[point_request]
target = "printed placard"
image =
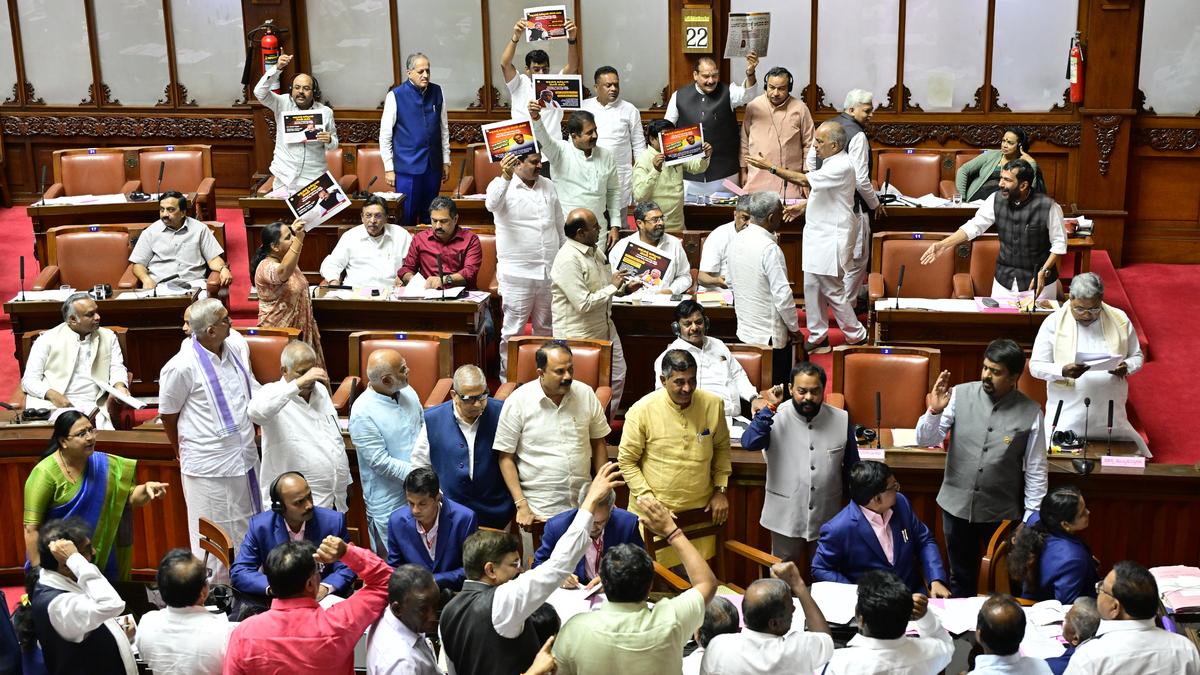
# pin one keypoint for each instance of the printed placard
(748, 32)
(546, 23)
(299, 127)
(558, 91)
(680, 145)
(318, 201)
(502, 138)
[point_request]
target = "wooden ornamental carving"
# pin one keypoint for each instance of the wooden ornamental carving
(1065, 104)
(992, 96)
(902, 134)
(1107, 127)
(496, 104)
(1163, 140)
(129, 126)
(664, 96)
(176, 94)
(900, 96)
(1140, 100)
(31, 97)
(102, 96)
(478, 102)
(465, 132)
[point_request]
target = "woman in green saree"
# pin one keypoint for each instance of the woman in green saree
(72, 479)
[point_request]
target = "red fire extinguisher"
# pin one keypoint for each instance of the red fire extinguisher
(1075, 70)
(270, 48)
(266, 37)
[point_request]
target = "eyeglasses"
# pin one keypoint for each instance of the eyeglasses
(1093, 311)
(90, 431)
(654, 220)
(1100, 589)
(472, 399)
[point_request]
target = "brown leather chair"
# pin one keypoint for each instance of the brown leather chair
(1032, 387)
(890, 250)
(486, 279)
(947, 187)
(266, 346)
(699, 524)
(428, 355)
(90, 171)
(913, 173)
(993, 567)
(984, 251)
(902, 376)
(186, 169)
(368, 164)
(213, 282)
(81, 256)
(215, 541)
(333, 160)
(116, 411)
(482, 171)
(756, 361)
(592, 360)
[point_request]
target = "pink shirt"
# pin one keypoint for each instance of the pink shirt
(299, 636)
(882, 532)
(591, 557)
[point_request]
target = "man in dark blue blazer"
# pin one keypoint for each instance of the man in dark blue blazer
(878, 516)
(611, 527)
(430, 531)
(292, 516)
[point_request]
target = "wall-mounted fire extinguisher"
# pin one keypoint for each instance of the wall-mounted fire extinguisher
(1075, 69)
(267, 38)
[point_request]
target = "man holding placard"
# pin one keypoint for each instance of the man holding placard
(537, 62)
(296, 161)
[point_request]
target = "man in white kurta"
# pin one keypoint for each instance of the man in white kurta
(204, 396)
(717, 371)
(300, 429)
(831, 233)
(619, 124)
(68, 360)
(529, 232)
(368, 254)
(537, 62)
(651, 234)
(713, 272)
(296, 164)
(1088, 326)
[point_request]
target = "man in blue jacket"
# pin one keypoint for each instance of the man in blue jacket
(611, 527)
(430, 531)
(292, 517)
(414, 139)
(878, 530)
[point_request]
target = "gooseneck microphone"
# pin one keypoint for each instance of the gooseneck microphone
(366, 192)
(899, 285)
(43, 184)
(22, 273)
(878, 417)
(1110, 420)
(162, 281)
(441, 277)
(162, 166)
(1084, 465)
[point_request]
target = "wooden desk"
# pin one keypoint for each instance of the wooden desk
(337, 319)
(259, 212)
(45, 217)
(961, 336)
(153, 323)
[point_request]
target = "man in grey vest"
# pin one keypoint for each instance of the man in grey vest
(711, 104)
(1032, 236)
(996, 462)
(798, 501)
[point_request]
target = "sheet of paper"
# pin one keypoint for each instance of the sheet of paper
(958, 615)
(570, 602)
(415, 288)
(904, 438)
(117, 394)
(439, 293)
(836, 600)
(732, 187)
(1041, 642)
(56, 294)
(1046, 612)
(931, 201)
(1099, 361)
(929, 304)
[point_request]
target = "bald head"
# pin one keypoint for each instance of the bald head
(1000, 625)
(582, 226)
(387, 372)
(830, 139)
(768, 607)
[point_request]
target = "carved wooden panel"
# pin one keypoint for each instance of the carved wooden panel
(906, 134)
(1107, 127)
(1184, 140)
(129, 126)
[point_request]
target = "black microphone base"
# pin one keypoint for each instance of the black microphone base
(1083, 466)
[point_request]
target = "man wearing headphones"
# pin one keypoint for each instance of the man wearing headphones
(292, 517)
(718, 371)
(779, 128)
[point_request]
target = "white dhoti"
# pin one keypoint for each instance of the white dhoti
(522, 300)
(227, 501)
(618, 368)
(855, 272)
(625, 178)
(823, 292)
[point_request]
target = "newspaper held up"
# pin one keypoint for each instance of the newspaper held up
(515, 136)
(546, 23)
(558, 91)
(748, 32)
(318, 201)
(680, 145)
(300, 127)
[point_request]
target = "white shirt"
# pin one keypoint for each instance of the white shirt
(985, 217)
(181, 389)
(718, 372)
(753, 653)
(420, 453)
(765, 306)
(619, 125)
(394, 649)
(529, 226)
(932, 429)
(583, 181)
(714, 255)
(926, 654)
(691, 662)
(429, 537)
(678, 275)
(367, 261)
(90, 603)
(1134, 646)
(304, 436)
(184, 640)
(520, 90)
(1013, 663)
(831, 229)
(82, 392)
(387, 123)
(294, 164)
(739, 95)
(552, 443)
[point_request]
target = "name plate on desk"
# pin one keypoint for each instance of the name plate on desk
(1120, 462)
(877, 454)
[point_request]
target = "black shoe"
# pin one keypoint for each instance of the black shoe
(821, 347)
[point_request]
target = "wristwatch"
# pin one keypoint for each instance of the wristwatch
(773, 171)
(721, 488)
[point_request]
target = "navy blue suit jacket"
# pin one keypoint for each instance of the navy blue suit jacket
(848, 548)
(1066, 569)
(268, 530)
(622, 528)
(1058, 664)
(455, 523)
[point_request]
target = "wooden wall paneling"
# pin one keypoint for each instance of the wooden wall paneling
(98, 93)
(21, 93)
(1162, 192)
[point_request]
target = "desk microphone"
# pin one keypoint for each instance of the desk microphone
(462, 171)
(878, 416)
(162, 281)
(22, 273)
(366, 192)
(43, 202)
(886, 198)
(162, 166)
(1110, 418)
(899, 285)
(441, 277)
(1084, 466)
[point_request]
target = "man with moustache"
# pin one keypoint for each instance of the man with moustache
(619, 124)
(292, 517)
(443, 244)
(778, 128)
(717, 370)
(651, 231)
(178, 245)
(397, 643)
(654, 180)
(414, 139)
(996, 462)
(368, 254)
(714, 253)
(296, 164)
(1032, 236)
(792, 434)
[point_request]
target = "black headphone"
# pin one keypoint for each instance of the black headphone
(675, 325)
(277, 504)
(1066, 439)
(787, 72)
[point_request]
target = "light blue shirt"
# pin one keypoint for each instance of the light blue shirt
(384, 432)
(1013, 663)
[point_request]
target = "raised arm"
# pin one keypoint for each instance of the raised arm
(510, 49)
